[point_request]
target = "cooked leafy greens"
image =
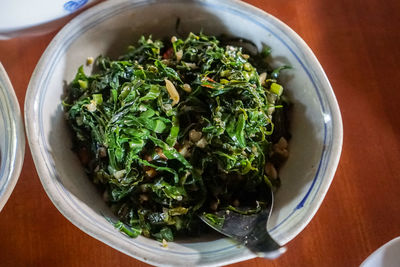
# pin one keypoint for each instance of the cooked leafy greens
(177, 128)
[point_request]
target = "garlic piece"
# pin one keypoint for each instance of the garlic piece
(202, 143)
(187, 88)
(173, 93)
(262, 78)
(194, 135)
(179, 55)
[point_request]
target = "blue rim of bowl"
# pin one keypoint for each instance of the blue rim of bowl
(12, 154)
(224, 6)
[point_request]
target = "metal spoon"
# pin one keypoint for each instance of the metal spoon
(249, 230)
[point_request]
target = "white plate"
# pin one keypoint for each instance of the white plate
(387, 255)
(29, 17)
(12, 138)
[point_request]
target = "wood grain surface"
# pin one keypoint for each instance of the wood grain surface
(358, 44)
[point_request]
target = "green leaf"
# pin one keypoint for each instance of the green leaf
(275, 72)
(161, 187)
(239, 131)
(123, 228)
(153, 93)
(213, 219)
(173, 134)
(177, 211)
(167, 71)
(83, 84)
(98, 99)
(170, 152)
(165, 233)
(266, 51)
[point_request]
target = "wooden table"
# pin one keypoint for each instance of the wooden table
(358, 44)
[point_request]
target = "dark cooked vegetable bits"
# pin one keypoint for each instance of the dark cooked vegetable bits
(177, 128)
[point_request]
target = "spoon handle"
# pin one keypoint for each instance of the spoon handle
(260, 241)
(263, 245)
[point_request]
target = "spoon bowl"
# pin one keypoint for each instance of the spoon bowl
(249, 230)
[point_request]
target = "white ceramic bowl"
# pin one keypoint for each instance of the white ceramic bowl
(107, 29)
(12, 138)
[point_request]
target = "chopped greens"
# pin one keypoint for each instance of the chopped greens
(173, 129)
(215, 219)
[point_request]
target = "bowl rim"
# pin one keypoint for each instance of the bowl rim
(31, 115)
(11, 165)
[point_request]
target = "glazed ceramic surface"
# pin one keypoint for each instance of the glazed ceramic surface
(12, 138)
(108, 29)
(387, 255)
(30, 17)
